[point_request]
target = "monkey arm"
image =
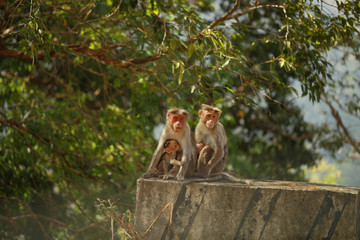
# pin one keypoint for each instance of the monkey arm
(175, 162)
(156, 156)
(199, 136)
(186, 156)
(226, 152)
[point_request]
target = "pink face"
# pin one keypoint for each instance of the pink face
(210, 119)
(177, 121)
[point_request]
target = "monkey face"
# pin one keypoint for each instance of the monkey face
(172, 146)
(210, 118)
(176, 119)
(177, 122)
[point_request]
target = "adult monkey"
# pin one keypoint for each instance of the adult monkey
(211, 142)
(176, 128)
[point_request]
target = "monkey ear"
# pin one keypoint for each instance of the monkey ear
(200, 112)
(167, 150)
(219, 112)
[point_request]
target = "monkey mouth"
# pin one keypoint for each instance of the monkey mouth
(210, 124)
(178, 128)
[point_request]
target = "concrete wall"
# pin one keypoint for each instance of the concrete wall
(260, 210)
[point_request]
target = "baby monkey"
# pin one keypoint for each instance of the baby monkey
(168, 164)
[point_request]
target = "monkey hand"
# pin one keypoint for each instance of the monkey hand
(168, 176)
(179, 177)
(175, 162)
(200, 146)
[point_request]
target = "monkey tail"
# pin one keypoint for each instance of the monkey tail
(217, 177)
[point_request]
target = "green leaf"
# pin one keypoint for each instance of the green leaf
(281, 62)
(225, 64)
(173, 44)
(191, 50)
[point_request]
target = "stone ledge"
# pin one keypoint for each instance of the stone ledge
(260, 210)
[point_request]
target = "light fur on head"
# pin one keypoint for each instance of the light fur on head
(178, 111)
(210, 109)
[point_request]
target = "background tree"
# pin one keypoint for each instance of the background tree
(84, 84)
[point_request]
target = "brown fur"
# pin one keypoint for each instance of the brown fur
(168, 161)
(214, 154)
(184, 138)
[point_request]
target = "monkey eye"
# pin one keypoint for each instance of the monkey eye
(177, 118)
(208, 116)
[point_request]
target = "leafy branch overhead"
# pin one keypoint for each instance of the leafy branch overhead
(124, 35)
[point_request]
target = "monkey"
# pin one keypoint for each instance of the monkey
(177, 128)
(168, 160)
(211, 142)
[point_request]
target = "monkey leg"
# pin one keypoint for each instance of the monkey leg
(219, 167)
(173, 172)
(166, 167)
(204, 157)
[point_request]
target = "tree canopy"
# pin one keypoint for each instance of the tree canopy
(84, 85)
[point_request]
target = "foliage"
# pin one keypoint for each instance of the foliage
(84, 83)
(324, 173)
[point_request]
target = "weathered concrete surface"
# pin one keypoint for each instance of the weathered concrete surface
(261, 210)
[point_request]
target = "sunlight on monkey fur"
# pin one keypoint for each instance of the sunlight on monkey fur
(211, 140)
(181, 153)
(177, 128)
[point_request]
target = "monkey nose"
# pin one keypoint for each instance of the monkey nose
(210, 124)
(178, 126)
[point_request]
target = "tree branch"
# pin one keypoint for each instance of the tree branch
(98, 54)
(160, 82)
(252, 9)
(53, 220)
(355, 144)
(21, 127)
(224, 17)
(32, 214)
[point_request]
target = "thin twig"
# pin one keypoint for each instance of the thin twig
(113, 217)
(159, 81)
(224, 17)
(53, 220)
(336, 115)
(34, 216)
(252, 9)
(20, 126)
(169, 205)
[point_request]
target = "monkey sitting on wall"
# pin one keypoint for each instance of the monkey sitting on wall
(169, 164)
(176, 128)
(211, 142)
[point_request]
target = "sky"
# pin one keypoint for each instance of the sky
(319, 113)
